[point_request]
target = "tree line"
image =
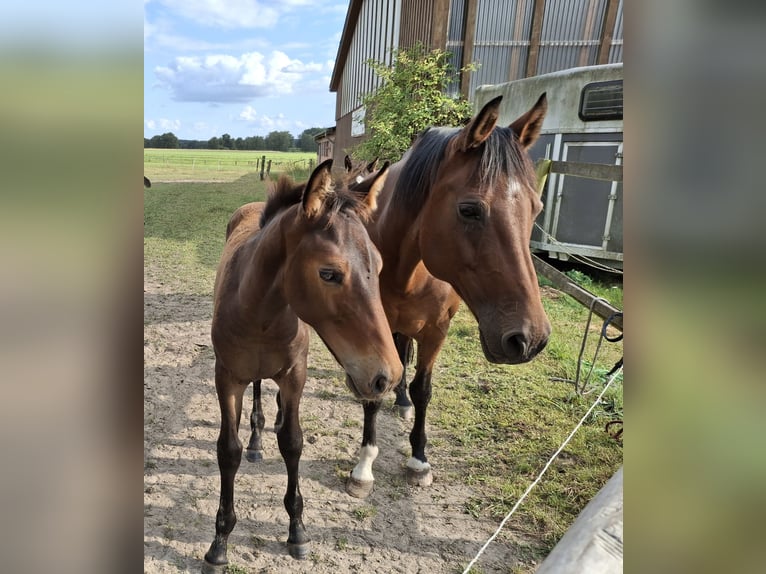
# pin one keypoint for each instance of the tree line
(274, 141)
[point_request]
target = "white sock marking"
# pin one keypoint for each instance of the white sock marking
(363, 470)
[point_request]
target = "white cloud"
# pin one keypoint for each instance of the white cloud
(230, 14)
(163, 124)
(226, 78)
(248, 114)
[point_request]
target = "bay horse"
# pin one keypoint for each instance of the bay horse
(453, 223)
(303, 258)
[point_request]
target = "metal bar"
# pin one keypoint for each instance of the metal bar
(579, 294)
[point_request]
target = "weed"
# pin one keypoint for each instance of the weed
(365, 512)
(341, 543)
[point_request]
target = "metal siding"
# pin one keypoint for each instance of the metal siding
(500, 40)
(571, 34)
(615, 52)
(376, 32)
(417, 16)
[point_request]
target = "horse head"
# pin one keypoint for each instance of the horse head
(331, 281)
(476, 225)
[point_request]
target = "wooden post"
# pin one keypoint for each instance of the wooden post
(534, 40)
(607, 34)
(471, 9)
(263, 166)
(268, 169)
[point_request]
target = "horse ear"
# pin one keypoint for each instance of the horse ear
(377, 182)
(347, 163)
(527, 127)
(317, 188)
(372, 165)
(479, 128)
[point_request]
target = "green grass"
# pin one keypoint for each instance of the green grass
(184, 228)
(491, 426)
(218, 165)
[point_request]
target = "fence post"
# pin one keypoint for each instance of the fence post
(268, 168)
(311, 165)
(263, 166)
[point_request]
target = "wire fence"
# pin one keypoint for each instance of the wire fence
(188, 166)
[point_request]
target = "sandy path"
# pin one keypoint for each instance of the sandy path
(397, 529)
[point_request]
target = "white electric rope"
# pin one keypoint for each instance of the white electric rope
(531, 486)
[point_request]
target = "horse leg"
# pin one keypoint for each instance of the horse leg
(404, 347)
(361, 480)
(254, 450)
(229, 449)
(278, 419)
(290, 439)
(418, 468)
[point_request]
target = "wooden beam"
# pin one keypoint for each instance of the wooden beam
(602, 171)
(470, 37)
(579, 294)
(607, 32)
(534, 39)
(439, 24)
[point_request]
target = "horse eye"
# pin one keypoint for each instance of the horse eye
(331, 276)
(470, 210)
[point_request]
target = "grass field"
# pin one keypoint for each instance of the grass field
(503, 423)
(218, 165)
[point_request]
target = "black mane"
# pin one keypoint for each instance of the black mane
(501, 157)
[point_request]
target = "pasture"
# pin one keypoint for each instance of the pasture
(491, 427)
(164, 165)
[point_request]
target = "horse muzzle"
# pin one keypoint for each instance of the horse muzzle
(513, 347)
(373, 389)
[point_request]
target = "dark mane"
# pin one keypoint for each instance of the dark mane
(282, 195)
(286, 193)
(501, 157)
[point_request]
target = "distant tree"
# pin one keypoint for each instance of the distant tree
(259, 143)
(306, 139)
(239, 143)
(226, 141)
(165, 141)
(279, 141)
(214, 143)
(412, 97)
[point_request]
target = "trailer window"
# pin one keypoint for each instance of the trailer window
(601, 101)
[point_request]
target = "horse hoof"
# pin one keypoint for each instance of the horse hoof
(407, 413)
(253, 455)
(208, 568)
(299, 551)
(419, 477)
(359, 488)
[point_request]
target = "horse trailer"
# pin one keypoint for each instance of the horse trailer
(582, 135)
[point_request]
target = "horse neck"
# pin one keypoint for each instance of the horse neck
(260, 293)
(396, 232)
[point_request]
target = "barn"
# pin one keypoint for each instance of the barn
(510, 39)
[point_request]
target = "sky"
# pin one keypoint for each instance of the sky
(240, 67)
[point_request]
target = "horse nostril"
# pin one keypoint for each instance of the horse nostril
(515, 345)
(380, 385)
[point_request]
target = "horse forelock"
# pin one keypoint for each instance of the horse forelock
(285, 193)
(502, 158)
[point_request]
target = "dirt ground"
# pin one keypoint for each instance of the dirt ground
(398, 528)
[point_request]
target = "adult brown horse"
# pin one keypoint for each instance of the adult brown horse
(302, 258)
(454, 221)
